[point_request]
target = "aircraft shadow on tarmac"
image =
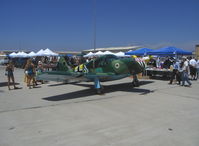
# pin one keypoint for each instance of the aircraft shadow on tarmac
(126, 87)
(59, 84)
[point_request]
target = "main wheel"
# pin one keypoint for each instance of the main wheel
(136, 83)
(99, 91)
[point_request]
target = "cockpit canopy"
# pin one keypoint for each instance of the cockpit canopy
(101, 61)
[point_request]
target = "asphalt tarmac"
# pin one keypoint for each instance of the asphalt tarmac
(56, 114)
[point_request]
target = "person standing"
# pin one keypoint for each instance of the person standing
(40, 69)
(30, 73)
(175, 73)
(9, 73)
(193, 70)
(197, 68)
(185, 72)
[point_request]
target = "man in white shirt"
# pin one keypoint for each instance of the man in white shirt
(185, 72)
(197, 67)
(193, 70)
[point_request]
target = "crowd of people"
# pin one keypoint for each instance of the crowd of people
(30, 71)
(37, 65)
(184, 70)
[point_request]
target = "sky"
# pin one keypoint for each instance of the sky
(69, 25)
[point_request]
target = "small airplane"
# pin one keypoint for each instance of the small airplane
(100, 69)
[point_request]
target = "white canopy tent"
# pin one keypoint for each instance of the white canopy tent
(32, 54)
(22, 54)
(90, 54)
(13, 55)
(46, 52)
(19, 54)
(40, 52)
(108, 53)
(99, 53)
(121, 54)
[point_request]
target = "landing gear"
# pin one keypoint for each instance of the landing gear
(99, 91)
(98, 87)
(135, 81)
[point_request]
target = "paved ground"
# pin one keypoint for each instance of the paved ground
(155, 114)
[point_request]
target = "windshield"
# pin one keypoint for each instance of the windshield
(101, 61)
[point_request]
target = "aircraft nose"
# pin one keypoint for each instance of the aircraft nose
(128, 65)
(135, 65)
(141, 63)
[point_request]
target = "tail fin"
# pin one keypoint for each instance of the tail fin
(62, 65)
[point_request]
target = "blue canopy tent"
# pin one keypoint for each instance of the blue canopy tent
(139, 52)
(169, 51)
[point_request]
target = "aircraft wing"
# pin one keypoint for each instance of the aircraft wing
(61, 76)
(105, 76)
(70, 77)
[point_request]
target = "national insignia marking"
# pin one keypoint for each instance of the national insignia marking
(117, 65)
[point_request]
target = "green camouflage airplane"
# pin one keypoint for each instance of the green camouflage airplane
(101, 69)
